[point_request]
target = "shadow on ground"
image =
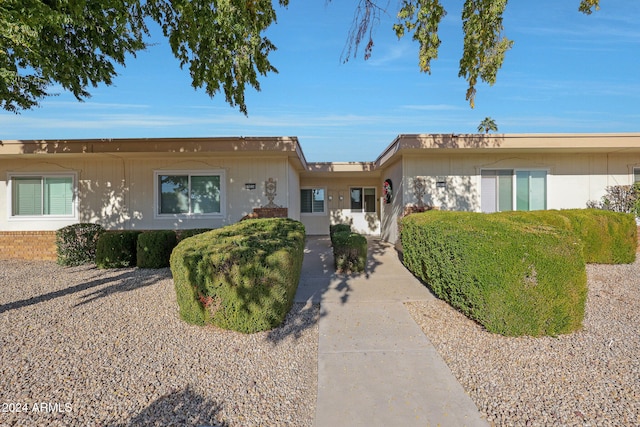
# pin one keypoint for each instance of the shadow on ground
(181, 408)
(123, 281)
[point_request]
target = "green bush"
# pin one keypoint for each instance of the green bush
(76, 244)
(514, 277)
(607, 237)
(154, 248)
(241, 277)
(185, 234)
(349, 251)
(338, 228)
(117, 249)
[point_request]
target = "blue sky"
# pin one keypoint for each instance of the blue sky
(566, 72)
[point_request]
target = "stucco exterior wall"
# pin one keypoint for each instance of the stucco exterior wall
(119, 192)
(572, 179)
(338, 209)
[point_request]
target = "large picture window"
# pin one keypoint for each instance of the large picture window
(42, 195)
(312, 200)
(193, 193)
(506, 190)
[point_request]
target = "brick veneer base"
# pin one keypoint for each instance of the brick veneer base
(28, 245)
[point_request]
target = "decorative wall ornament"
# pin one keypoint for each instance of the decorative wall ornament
(387, 190)
(418, 190)
(270, 187)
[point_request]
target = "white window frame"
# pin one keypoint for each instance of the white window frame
(204, 172)
(635, 171)
(324, 205)
(43, 217)
(364, 205)
(514, 185)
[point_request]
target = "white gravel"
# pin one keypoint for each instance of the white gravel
(82, 346)
(588, 378)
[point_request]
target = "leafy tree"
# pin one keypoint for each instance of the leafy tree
(487, 125)
(76, 43)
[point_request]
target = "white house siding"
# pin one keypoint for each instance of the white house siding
(239, 199)
(293, 193)
(118, 192)
(572, 178)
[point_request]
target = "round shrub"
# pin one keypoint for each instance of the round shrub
(117, 249)
(154, 248)
(241, 277)
(76, 244)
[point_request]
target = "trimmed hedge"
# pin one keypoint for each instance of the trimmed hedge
(349, 251)
(338, 228)
(608, 237)
(185, 234)
(154, 248)
(241, 277)
(514, 277)
(117, 249)
(76, 244)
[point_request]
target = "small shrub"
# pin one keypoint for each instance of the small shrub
(154, 248)
(241, 277)
(619, 198)
(514, 277)
(117, 249)
(76, 244)
(338, 228)
(349, 251)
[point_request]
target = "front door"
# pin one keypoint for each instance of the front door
(364, 210)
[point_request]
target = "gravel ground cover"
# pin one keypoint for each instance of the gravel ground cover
(82, 346)
(589, 378)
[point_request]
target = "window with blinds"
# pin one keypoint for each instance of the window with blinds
(42, 195)
(312, 200)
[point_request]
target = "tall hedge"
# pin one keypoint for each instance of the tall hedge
(241, 277)
(513, 277)
(607, 237)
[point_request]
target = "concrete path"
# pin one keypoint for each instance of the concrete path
(375, 366)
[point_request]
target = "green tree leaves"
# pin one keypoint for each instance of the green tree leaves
(77, 43)
(221, 42)
(484, 46)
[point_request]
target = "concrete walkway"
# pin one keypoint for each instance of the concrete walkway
(375, 366)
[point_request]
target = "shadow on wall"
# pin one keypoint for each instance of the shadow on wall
(337, 217)
(445, 193)
(113, 212)
(464, 140)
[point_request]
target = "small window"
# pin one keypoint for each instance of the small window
(189, 193)
(312, 200)
(636, 175)
(42, 195)
(363, 200)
